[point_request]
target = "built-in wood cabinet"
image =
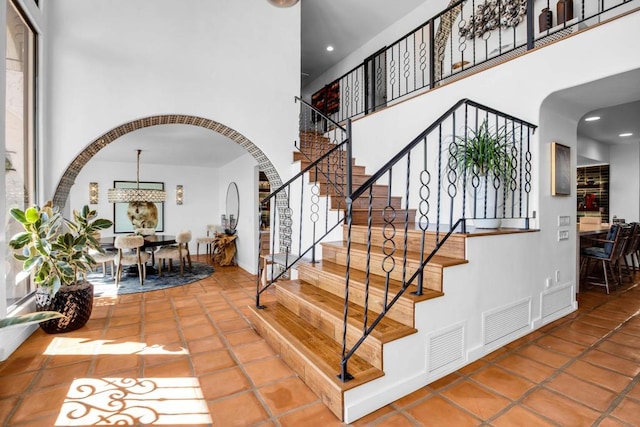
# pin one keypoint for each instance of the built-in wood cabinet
(593, 192)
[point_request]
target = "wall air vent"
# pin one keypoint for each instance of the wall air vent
(445, 348)
(503, 321)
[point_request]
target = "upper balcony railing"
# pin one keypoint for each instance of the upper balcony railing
(466, 37)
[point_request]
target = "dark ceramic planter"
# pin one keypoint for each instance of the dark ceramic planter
(74, 302)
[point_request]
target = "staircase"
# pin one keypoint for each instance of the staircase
(332, 181)
(304, 322)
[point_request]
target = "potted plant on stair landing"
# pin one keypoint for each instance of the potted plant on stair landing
(55, 251)
(484, 158)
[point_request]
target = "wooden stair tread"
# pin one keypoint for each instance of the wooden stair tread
(375, 282)
(436, 260)
(387, 329)
(317, 348)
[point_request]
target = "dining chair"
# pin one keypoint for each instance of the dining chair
(130, 253)
(609, 251)
(629, 251)
(180, 251)
(207, 240)
(106, 257)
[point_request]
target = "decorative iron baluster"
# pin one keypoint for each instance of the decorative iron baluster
(406, 218)
(367, 270)
(379, 82)
(406, 66)
(423, 209)
(514, 169)
(389, 244)
(392, 74)
(527, 180)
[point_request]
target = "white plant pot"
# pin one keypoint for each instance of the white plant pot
(490, 223)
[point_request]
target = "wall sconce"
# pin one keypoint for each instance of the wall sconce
(93, 193)
(179, 195)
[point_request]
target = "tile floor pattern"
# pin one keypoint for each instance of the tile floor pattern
(581, 370)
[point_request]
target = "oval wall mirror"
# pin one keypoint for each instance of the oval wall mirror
(233, 205)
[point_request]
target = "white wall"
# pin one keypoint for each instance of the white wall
(593, 150)
(201, 193)
(108, 62)
(244, 172)
(113, 61)
(624, 181)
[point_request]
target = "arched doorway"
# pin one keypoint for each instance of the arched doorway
(69, 176)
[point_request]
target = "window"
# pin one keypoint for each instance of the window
(19, 165)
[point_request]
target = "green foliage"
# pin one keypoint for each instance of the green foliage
(29, 318)
(54, 249)
(484, 153)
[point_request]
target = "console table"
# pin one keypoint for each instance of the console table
(224, 249)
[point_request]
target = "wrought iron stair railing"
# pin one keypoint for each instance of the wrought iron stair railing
(325, 148)
(435, 174)
(466, 36)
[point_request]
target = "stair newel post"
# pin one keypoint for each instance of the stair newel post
(344, 375)
(259, 278)
(349, 188)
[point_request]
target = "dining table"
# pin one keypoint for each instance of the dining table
(150, 241)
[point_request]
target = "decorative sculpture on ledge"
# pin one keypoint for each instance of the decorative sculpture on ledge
(491, 15)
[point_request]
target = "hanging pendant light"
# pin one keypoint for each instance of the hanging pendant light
(283, 3)
(127, 195)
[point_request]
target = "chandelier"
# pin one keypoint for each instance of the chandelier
(283, 3)
(126, 195)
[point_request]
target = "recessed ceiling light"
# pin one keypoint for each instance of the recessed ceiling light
(625, 134)
(592, 119)
(329, 48)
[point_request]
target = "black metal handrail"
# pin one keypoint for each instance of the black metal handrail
(453, 44)
(473, 162)
(326, 146)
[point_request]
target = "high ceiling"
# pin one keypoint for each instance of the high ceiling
(623, 118)
(346, 25)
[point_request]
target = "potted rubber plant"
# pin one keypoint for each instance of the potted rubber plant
(484, 158)
(55, 252)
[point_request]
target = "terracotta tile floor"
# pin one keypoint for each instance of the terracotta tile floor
(187, 356)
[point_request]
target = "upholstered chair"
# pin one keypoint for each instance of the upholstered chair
(178, 252)
(104, 258)
(609, 252)
(130, 253)
(207, 240)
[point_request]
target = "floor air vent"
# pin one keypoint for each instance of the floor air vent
(554, 300)
(506, 320)
(445, 347)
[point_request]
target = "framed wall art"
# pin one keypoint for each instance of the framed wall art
(560, 170)
(129, 216)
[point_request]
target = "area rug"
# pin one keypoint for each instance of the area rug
(106, 286)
